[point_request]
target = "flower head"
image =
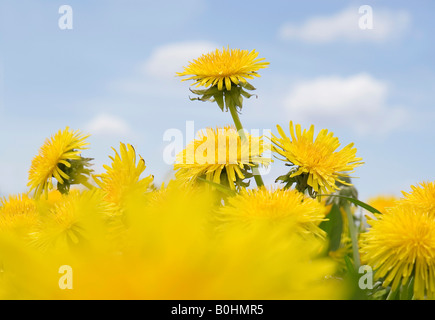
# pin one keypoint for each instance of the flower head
(18, 213)
(422, 196)
(226, 67)
(56, 157)
(123, 178)
(383, 202)
(217, 154)
(316, 161)
(280, 206)
(401, 244)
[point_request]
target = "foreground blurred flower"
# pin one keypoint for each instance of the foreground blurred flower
(282, 207)
(400, 245)
(18, 214)
(71, 223)
(123, 178)
(226, 67)
(317, 166)
(221, 156)
(60, 158)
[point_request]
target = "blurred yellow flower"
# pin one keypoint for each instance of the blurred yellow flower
(316, 158)
(18, 213)
(226, 67)
(219, 153)
(54, 157)
(277, 207)
(383, 202)
(70, 223)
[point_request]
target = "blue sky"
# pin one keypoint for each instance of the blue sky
(112, 76)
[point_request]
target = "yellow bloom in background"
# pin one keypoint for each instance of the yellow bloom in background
(422, 196)
(277, 207)
(226, 67)
(401, 244)
(219, 152)
(317, 159)
(123, 178)
(54, 157)
(383, 202)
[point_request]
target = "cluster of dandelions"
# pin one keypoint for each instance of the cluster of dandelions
(209, 233)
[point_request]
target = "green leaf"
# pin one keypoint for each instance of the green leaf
(407, 290)
(333, 227)
(355, 202)
(218, 186)
(350, 267)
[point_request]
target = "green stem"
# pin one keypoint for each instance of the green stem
(239, 127)
(87, 184)
(353, 235)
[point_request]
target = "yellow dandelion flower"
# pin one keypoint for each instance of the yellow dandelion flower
(72, 222)
(383, 202)
(422, 196)
(400, 245)
(219, 153)
(226, 67)
(123, 179)
(276, 206)
(317, 160)
(18, 213)
(54, 158)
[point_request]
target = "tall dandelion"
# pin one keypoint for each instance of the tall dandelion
(225, 74)
(60, 158)
(224, 69)
(317, 165)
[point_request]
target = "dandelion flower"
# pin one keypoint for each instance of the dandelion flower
(422, 196)
(123, 178)
(317, 160)
(383, 202)
(401, 244)
(71, 222)
(217, 154)
(277, 206)
(226, 67)
(18, 213)
(54, 159)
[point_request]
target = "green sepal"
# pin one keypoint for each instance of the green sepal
(247, 85)
(78, 173)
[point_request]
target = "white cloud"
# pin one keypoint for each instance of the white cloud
(168, 59)
(344, 25)
(105, 124)
(358, 102)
